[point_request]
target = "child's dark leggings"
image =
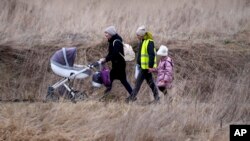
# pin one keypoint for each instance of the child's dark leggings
(163, 90)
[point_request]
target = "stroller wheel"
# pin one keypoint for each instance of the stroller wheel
(51, 96)
(80, 96)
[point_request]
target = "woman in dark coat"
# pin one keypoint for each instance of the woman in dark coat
(115, 55)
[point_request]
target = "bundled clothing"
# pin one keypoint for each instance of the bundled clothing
(118, 62)
(151, 54)
(118, 71)
(165, 72)
(146, 59)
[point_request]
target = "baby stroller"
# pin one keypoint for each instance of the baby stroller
(62, 64)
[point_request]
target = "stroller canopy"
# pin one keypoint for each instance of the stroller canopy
(62, 64)
(65, 56)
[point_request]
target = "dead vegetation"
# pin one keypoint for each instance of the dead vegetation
(211, 91)
(208, 41)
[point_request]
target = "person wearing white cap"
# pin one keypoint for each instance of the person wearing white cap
(115, 50)
(146, 59)
(164, 70)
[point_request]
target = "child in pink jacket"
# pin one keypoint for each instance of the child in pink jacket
(165, 72)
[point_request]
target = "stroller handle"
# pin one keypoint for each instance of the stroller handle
(95, 64)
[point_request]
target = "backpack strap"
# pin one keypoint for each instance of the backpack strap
(65, 57)
(170, 62)
(115, 41)
(122, 44)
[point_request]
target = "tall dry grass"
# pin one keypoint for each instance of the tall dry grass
(211, 86)
(40, 21)
(185, 118)
(211, 91)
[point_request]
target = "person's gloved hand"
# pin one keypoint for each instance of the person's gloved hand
(150, 70)
(102, 60)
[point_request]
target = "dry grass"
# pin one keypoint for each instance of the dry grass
(208, 40)
(183, 119)
(34, 21)
(211, 91)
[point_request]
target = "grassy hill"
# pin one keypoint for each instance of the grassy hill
(208, 41)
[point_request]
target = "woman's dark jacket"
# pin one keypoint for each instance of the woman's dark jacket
(114, 55)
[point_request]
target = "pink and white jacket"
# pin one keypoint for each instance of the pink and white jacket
(165, 72)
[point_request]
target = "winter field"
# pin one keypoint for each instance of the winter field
(209, 41)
